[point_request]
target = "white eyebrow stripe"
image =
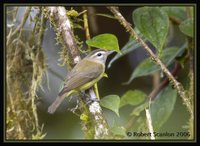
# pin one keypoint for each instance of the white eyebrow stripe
(103, 52)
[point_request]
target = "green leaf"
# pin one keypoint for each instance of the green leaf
(147, 66)
(187, 27)
(163, 106)
(130, 46)
(132, 98)
(104, 41)
(118, 131)
(153, 23)
(72, 13)
(139, 109)
(176, 13)
(84, 117)
(111, 102)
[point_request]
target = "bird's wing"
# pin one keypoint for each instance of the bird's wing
(80, 76)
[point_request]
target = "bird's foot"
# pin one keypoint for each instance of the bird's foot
(88, 99)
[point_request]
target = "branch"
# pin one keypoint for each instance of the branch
(19, 28)
(149, 124)
(99, 123)
(64, 27)
(178, 86)
(86, 26)
(101, 126)
(38, 66)
(93, 19)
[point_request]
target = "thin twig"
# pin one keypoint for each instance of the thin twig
(156, 79)
(93, 20)
(86, 27)
(87, 35)
(149, 123)
(25, 17)
(178, 86)
(41, 31)
(131, 122)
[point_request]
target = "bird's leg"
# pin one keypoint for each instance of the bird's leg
(73, 110)
(84, 95)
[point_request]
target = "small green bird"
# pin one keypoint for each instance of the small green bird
(83, 76)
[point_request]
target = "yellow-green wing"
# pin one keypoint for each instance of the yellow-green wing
(84, 72)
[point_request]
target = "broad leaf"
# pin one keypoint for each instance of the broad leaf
(130, 46)
(163, 106)
(153, 23)
(104, 41)
(111, 102)
(132, 98)
(187, 27)
(118, 131)
(176, 13)
(139, 109)
(147, 66)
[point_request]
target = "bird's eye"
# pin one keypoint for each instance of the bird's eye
(99, 54)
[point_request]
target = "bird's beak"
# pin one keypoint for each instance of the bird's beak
(110, 52)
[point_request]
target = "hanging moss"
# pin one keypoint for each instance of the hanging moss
(25, 67)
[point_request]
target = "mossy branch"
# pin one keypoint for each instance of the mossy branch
(19, 28)
(62, 25)
(37, 57)
(178, 86)
(25, 66)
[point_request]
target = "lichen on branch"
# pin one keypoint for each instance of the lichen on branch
(62, 25)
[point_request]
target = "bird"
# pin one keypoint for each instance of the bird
(84, 75)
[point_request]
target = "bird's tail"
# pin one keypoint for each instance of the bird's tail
(52, 108)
